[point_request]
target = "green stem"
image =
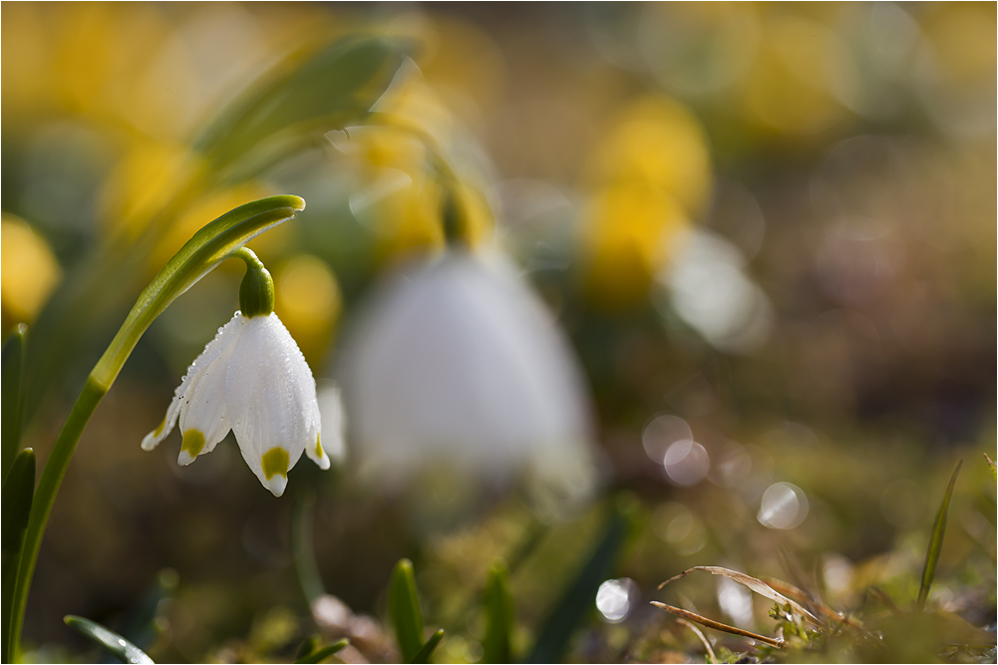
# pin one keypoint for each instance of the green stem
(41, 507)
(210, 246)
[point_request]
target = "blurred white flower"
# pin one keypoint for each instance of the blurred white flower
(252, 379)
(456, 363)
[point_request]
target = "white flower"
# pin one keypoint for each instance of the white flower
(253, 380)
(457, 364)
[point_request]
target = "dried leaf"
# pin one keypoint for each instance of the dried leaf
(800, 596)
(717, 625)
(753, 584)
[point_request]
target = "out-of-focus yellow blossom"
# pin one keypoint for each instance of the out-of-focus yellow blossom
(962, 36)
(26, 56)
(653, 170)
(141, 184)
(410, 219)
(630, 230)
(659, 143)
(309, 303)
(29, 270)
(800, 72)
(411, 191)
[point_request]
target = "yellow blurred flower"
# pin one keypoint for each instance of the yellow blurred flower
(309, 303)
(799, 76)
(659, 143)
(142, 183)
(409, 220)
(29, 270)
(629, 232)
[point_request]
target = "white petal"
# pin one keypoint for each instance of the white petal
(331, 410)
(223, 340)
(270, 400)
(458, 360)
(203, 419)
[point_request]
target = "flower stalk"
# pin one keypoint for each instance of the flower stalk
(215, 242)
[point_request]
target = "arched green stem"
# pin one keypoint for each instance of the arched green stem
(215, 242)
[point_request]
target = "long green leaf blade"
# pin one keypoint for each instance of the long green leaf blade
(424, 653)
(11, 398)
(498, 616)
(403, 610)
(334, 87)
(936, 542)
(578, 598)
(18, 492)
(110, 640)
(323, 653)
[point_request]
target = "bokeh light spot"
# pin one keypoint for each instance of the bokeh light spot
(784, 506)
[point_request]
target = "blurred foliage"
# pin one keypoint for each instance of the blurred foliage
(773, 223)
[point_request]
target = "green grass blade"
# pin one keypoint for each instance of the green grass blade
(936, 542)
(110, 640)
(578, 599)
(11, 399)
(18, 492)
(403, 610)
(423, 655)
(991, 465)
(498, 616)
(323, 653)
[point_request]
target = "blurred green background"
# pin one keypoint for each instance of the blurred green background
(769, 227)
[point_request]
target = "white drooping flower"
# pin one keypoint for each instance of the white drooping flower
(252, 379)
(458, 364)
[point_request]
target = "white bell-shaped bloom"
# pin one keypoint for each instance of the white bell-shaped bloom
(457, 364)
(252, 379)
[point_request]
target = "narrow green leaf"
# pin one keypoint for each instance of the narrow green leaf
(17, 494)
(332, 88)
(308, 645)
(936, 542)
(499, 618)
(403, 610)
(994, 469)
(579, 597)
(11, 398)
(325, 652)
(110, 640)
(423, 655)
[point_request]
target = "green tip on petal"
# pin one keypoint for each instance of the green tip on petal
(275, 461)
(191, 446)
(318, 447)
